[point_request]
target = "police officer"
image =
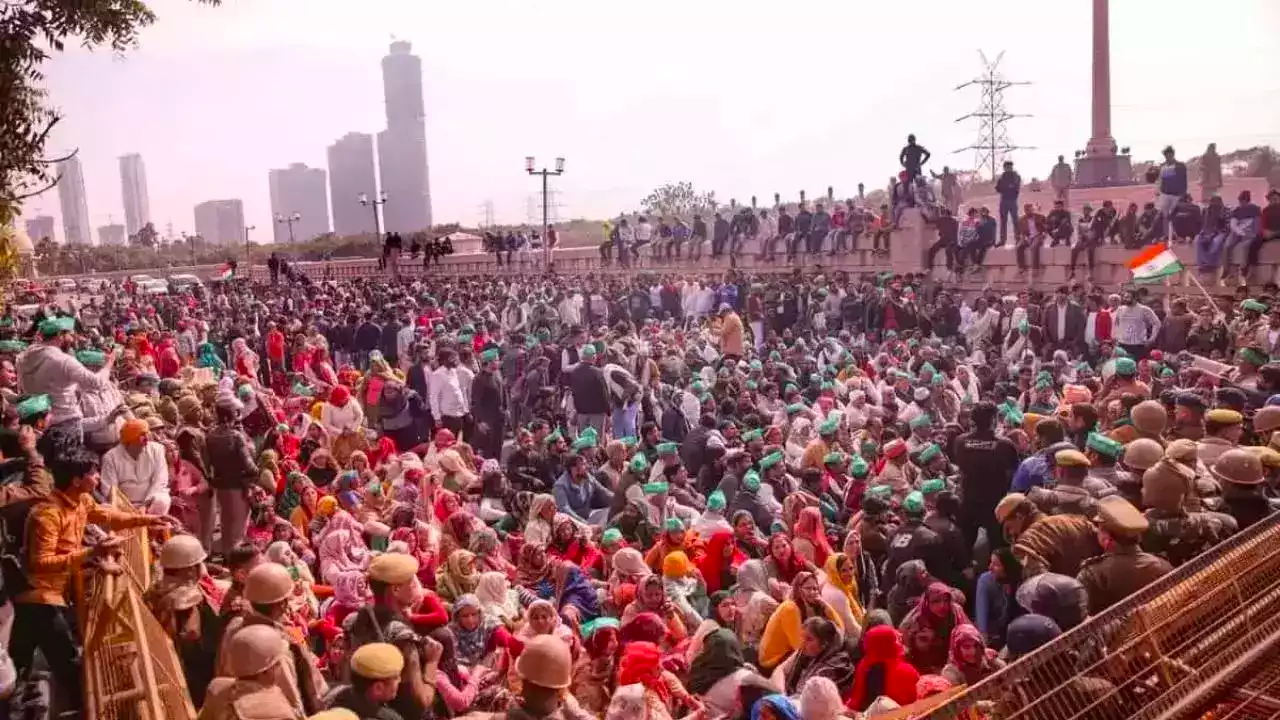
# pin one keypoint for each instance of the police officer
(1123, 568)
(1206, 492)
(1139, 455)
(1240, 474)
(546, 672)
(1188, 417)
(184, 603)
(268, 590)
(375, 681)
(393, 580)
(1175, 534)
(1222, 430)
(254, 686)
(1045, 543)
(1265, 422)
(1074, 492)
(1149, 420)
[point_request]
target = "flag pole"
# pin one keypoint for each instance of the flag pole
(1216, 311)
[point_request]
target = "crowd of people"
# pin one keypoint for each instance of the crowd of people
(634, 497)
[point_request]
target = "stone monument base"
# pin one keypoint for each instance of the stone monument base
(1103, 170)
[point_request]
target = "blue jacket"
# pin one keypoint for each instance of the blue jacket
(579, 500)
(1173, 179)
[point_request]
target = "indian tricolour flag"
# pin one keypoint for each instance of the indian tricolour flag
(1154, 264)
(225, 272)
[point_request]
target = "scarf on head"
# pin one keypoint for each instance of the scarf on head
(471, 644)
(721, 655)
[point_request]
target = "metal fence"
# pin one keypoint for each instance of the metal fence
(1204, 637)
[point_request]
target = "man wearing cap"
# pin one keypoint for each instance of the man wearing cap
(898, 473)
(1124, 382)
(137, 466)
(489, 405)
(1103, 453)
(393, 580)
(1223, 429)
(736, 463)
(1188, 416)
(589, 390)
(1241, 476)
(1123, 569)
(914, 540)
(1139, 456)
(818, 448)
(1244, 329)
(1045, 543)
(185, 601)
(256, 683)
(268, 590)
(104, 409)
(375, 681)
(1073, 492)
(48, 369)
(1174, 533)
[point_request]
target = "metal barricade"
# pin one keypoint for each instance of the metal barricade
(1165, 652)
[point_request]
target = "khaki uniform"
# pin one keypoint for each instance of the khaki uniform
(1180, 536)
(1119, 574)
(232, 699)
(1210, 449)
(1064, 500)
(303, 685)
(1056, 543)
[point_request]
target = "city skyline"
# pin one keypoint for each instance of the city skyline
(626, 122)
(402, 146)
(76, 228)
(220, 222)
(299, 203)
(351, 174)
(133, 192)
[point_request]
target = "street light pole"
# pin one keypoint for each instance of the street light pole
(290, 220)
(247, 260)
(529, 165)
(372, 204)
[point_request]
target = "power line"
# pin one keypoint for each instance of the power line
(486, 210)
(993, 145)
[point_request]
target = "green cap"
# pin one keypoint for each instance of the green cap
(1167, 372)
(639, 463)
(756, 365)
(590, 627)
(929, 452)
(611, 536)
(1104, 445)
(880, 491)
(716, 501)
(752, 435)
(1253, 356)
(467, 329)
(674, 524)
(752, 385)
(1023, 326)
(928, 367)
(829, 426)
(96, 358)
(933, 486)
(870, 446)
(553, 437)
(788, 389)
(55, 325)
(833, 458)
(1126, 367)
(914, 503)
(12, 347)
(668, 448)
(653, 488)
(770, 460)
(751, 480)
(586, 439)
(34, 405)
(794, 408)
(588, 351)
(920, 420)
(490, 355)
(1253, 305)
(859, 468)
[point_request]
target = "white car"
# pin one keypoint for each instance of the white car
(154, 287)
(66, 285)
(140, 279)
(94, 285)
(184, 282)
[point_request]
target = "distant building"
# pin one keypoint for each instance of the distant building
(220, 222)
(402, 147)
(112, 235)
(133, 189)
(351, 172)
(75, 207)
(40, 227)
(302, 190)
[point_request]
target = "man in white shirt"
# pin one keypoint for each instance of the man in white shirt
(450, 393)
(137, 466)
(404, 344)
(570, 309)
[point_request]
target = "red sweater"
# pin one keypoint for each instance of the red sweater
(1102, 326)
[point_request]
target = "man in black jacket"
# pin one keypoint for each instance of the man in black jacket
(1059, 222)
(368, 337)
(720, 236)
(803, 224)
(590, 392)
(948, 238)
(698, 237)
(986, 463)
(389, 343)
(785, 227)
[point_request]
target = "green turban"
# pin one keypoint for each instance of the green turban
(929, 452)
(639, 463)
(914, 503)
(33, 406)
(716, 501)
(859, 468)
(770, 460)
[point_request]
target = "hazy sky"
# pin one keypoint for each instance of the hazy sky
(740, 97)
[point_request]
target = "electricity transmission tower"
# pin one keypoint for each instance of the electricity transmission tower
(486, 210)
(993, 144)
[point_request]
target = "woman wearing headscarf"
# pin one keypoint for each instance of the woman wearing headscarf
(400, 411)
(544, 620)
(498, 599)
(207, 357)
(456, 532)
(341, 547)
(321, 469)
(926, 631)
(720, 565)
(490, 555)
(457, 688)
(444, 504)
(457, 476)
(910, 581)
(651, 597)
(811, 537)
(822, 654)
(775, 707)
(684, 587)
(716, 672)
(969, 660)
(569, 543)
(840, 590)
(820, 700)
(754, 601)
(542, 513)
(478, 634)
(595, 673)
(783, 634)
(416, 538)
(642, 663)
(747, 538)
(628, 570)
(458, 576)
(673, 538)
(882, 671)
(350, 593)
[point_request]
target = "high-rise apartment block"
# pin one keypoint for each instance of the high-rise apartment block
(402, 147)
(302, 191)
(221, 222)
(352, 173)
(40, 227)
(75, 207)
(133, 190)
(112, 235)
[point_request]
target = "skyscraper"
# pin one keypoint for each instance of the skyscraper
(302, 190)
(402, 147)
(40, 227)
(351, 173)
(75, 208)
(112, 235)
(221, 222)
(133, 189)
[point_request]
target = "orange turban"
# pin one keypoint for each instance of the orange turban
(133, 430)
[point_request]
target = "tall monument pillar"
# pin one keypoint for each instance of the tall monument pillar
(1102, 164)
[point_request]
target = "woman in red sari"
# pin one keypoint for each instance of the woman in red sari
(568, 543)
(720, 565)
